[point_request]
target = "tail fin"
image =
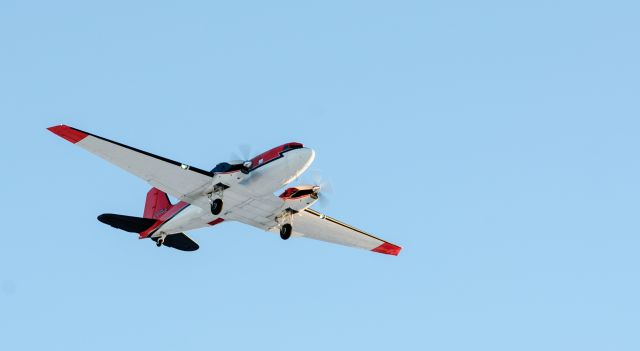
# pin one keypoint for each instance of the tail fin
(157, 204)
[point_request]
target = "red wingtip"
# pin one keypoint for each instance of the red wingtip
(388, 249)
(68, 133)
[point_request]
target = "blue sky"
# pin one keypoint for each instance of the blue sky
(495, 141)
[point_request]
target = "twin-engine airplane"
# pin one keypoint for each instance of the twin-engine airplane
(240, 191)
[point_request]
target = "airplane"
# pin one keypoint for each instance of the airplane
(242, 191)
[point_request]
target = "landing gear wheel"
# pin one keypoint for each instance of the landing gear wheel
(216, 207)
(285, 231)
(159, 242)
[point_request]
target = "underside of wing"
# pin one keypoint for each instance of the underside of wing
(177, 179)
(312, 224)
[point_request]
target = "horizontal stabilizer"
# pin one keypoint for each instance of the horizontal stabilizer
(179, 241)
(127, 223)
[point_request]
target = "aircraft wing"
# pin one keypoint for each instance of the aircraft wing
(177, 179)
(312, 224)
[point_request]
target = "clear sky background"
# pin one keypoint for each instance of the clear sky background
(496, 141)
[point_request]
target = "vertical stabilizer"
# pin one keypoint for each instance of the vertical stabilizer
(157, 204)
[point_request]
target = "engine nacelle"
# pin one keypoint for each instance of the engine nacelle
(300, 197)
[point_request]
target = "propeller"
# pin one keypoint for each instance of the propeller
(324, 188)
(243, 153)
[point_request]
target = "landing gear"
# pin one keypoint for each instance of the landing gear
(216, 207)
(160, 240)
(215, 198)
(284, 220)
(285, 231)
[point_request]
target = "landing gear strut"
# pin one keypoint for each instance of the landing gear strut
(285, 231)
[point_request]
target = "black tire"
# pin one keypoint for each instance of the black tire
(159, 242)
(285, 231)
(216, 207)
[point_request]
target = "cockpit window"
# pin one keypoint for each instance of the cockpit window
(226, 167)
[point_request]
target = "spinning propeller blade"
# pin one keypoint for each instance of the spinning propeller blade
(243, 153)
(325, 188)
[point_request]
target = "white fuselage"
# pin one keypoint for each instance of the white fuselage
(250, 199)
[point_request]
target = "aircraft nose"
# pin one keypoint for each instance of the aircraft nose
(302, 158)
(307, 154)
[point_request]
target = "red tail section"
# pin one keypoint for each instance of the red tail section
(157, 204)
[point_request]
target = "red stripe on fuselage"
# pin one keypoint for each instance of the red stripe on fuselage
(68, 133)
(151, 229)
(272, 154)
(164, 218)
